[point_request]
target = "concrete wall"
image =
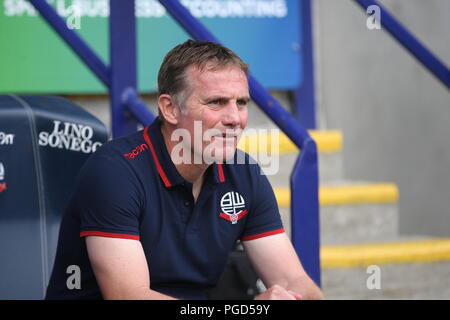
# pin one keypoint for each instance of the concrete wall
(395, 116)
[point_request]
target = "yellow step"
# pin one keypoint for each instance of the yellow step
(347, 194)
(349, 256)
(327, 142)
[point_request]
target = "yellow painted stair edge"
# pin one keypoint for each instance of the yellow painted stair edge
(276, 142)
(347, 194)
(350, 256)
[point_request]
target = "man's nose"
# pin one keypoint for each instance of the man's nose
(232, 117)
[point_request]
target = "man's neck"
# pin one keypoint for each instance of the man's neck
(191, 172)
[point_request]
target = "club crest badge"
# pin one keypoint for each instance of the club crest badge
(233, 207)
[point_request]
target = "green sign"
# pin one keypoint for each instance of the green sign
(33, 59)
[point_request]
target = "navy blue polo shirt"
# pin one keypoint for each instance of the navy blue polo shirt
(131, 189)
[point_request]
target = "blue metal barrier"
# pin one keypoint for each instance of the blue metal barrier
(410, 43)
(122, 42)
(304, 181)
(304, 95)
(136, 106)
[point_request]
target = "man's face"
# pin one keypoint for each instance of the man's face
(218, 105)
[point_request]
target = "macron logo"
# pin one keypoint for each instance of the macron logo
(136, 151)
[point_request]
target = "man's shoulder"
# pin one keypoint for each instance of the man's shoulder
(114, 156)
(108, 168)
(127, 147)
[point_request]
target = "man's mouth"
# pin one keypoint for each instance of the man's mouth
(226, 136)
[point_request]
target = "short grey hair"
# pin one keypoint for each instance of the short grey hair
(172, 76)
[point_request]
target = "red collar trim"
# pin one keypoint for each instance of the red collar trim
(220, 171)
(159, 168)
(161, 172)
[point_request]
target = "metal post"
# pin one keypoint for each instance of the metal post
(122, 36)
(137, 107)
(305, 204)
(305, 102)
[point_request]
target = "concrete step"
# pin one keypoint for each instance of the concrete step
(347, 192)
(330, 167)
(396, 281)
(404, 250)
(351, 212)
(274, 141)
(342, 225)
(277, 154)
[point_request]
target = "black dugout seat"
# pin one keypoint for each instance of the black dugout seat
(44, 141)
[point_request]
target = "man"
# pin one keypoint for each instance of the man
(154, 217)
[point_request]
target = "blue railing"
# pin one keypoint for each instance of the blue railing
(304, 95)
(120, 79)
(410, 43)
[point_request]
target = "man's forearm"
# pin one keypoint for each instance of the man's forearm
(306, 287)
(155, 295)
(138, 294)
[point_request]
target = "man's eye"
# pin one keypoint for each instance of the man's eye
(242, 103)
(217, 102)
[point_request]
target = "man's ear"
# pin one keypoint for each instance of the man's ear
(168, 109)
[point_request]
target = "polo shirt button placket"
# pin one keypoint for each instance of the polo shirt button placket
(187, 211)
